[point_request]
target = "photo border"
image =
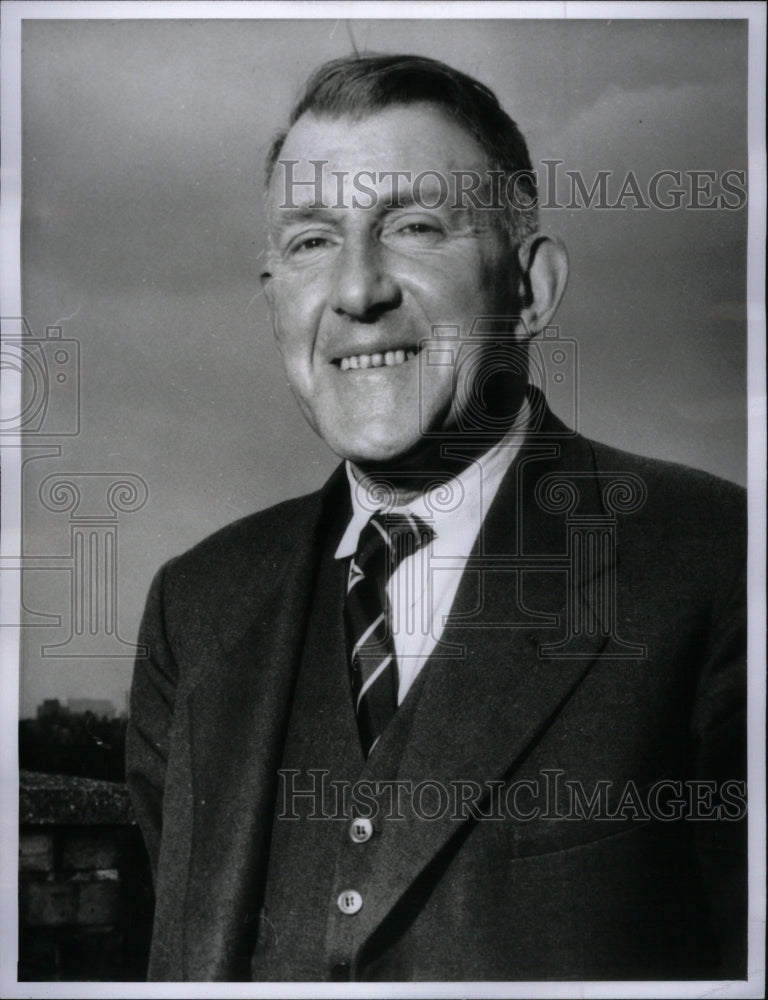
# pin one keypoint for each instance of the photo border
(12, 14)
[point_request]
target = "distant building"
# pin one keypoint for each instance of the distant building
(101, 707)
(50, 708)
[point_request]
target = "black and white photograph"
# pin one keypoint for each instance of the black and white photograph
(383, 452)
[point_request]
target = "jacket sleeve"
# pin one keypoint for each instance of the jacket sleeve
(720, 728)
(151, 713)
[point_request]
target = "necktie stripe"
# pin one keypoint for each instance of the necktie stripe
(382, 531)
(367, 634)
(383, 543)
(355, 575)
(371, 680)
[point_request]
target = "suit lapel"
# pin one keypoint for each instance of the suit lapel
(479, 712)
(237, 716)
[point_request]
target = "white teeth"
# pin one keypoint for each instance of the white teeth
(378, 360)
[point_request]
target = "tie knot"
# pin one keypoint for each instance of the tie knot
(387, 539)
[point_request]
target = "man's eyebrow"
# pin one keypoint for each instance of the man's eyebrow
(398, 199)
(287, 215)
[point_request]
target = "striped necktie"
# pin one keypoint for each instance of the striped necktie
(384, 542)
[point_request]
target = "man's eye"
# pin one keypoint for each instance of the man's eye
(308, 243)
(418, 228)
(421, 231)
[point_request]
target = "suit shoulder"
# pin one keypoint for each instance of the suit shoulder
(689, 531)
(681, 491)
(688, 522)
(266, 536)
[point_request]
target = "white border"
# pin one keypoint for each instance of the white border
(594, 10)
(11, 14)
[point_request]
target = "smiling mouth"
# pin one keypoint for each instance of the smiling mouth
(379, 359)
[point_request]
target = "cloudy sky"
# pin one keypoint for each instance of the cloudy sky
(143, 233)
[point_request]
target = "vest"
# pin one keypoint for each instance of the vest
(313, 858)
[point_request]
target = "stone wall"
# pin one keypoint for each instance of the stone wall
(85, 897)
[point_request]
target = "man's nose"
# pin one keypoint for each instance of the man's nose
(363, 286)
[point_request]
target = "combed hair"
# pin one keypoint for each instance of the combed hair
(359, 86)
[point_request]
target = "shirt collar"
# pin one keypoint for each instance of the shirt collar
(455, 509)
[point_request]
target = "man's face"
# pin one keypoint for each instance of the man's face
(356, 287)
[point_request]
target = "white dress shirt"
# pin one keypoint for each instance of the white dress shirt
(422, 589)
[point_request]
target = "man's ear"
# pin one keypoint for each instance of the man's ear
(543, 277)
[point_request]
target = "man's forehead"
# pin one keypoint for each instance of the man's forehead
(404, 137)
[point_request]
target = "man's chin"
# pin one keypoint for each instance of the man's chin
(406, 464)
(389, 457)
(371, 452)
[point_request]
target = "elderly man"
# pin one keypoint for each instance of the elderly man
(475, 709)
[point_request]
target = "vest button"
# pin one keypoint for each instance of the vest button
(360, 830)
(349, 901)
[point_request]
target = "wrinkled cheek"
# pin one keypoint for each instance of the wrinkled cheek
(436, 388)
(306, 397)
(295, 362)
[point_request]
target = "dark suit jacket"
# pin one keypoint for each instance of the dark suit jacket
(597, 641)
